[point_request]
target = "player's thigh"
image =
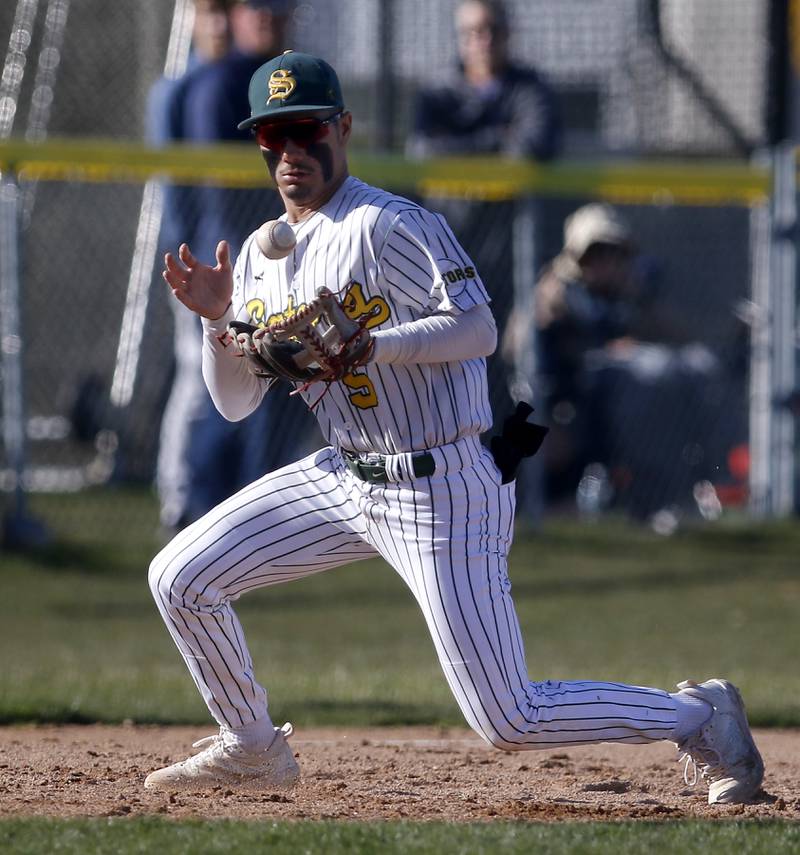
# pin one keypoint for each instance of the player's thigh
(450, 543)
(449, 538)
(291, 523)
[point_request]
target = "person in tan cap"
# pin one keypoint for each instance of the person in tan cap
(609, 358)
(587, 291)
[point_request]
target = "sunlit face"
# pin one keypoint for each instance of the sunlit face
(606, 266)
(307, 170)
(210, 31)
(481, 41)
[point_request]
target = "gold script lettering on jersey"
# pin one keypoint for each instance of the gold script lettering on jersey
(257, 311)
(281, 85)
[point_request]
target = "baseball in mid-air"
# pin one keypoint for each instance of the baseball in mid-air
(275, 239)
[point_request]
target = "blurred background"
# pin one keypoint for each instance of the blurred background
(677, 117)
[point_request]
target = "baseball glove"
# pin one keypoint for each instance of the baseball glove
(317, 343)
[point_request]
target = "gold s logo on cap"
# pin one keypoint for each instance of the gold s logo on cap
(281, 85)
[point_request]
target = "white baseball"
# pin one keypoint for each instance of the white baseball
(275, 239)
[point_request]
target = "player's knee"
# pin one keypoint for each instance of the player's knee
(164, 578)
(502, 743)
(177, 580)
(157, 579)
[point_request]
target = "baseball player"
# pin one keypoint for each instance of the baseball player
(404, 475)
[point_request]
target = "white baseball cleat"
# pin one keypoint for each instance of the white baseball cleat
(723, 749)
(219, 764)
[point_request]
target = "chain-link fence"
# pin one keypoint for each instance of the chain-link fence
(636, 76)
(76, 253)
(633, 77)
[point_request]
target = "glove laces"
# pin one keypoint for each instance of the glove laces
(362, 324)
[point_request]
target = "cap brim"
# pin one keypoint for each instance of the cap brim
(611, 238)
(297, 112)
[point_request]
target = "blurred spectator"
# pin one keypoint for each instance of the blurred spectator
(185, 411)
(210, 42)
(215, 101)
(164, 118)
(626, 391)
(487, 104)
(202, 457)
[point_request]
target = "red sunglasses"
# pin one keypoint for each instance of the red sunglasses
(302, 132)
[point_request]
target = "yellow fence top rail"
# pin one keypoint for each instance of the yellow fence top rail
(685, 182)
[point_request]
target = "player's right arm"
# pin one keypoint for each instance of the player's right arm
(205, 290)
(211, 293)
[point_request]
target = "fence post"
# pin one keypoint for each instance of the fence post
(783, 286)
(522, 382)
(773, 342)
(18, 528)
(760, 405)
(525, 255)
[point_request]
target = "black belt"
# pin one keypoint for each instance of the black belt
(423, 465)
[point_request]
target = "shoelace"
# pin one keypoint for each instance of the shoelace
(207, 741)
(707, 759)
(216, 739)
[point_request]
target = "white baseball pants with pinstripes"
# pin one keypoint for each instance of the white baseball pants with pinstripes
(447, 536)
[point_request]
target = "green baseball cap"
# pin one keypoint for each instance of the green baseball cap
(290, 86)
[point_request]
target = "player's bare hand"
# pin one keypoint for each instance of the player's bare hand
(203, 289)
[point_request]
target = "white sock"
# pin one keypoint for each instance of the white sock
(253, 737)
(692, 714)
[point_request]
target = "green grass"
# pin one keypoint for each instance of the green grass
(122, 836)
(82, 640)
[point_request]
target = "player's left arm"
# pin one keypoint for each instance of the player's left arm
(438, 338)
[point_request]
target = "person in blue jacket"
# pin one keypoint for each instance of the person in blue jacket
(203, 458)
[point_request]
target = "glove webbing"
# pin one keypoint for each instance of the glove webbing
(362, 322)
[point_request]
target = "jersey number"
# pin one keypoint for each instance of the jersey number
(363, 395)
(355, 305)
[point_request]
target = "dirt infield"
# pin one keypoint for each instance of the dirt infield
(410, 773)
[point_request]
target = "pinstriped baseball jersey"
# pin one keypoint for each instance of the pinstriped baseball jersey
(404, 477)
(384, 254)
